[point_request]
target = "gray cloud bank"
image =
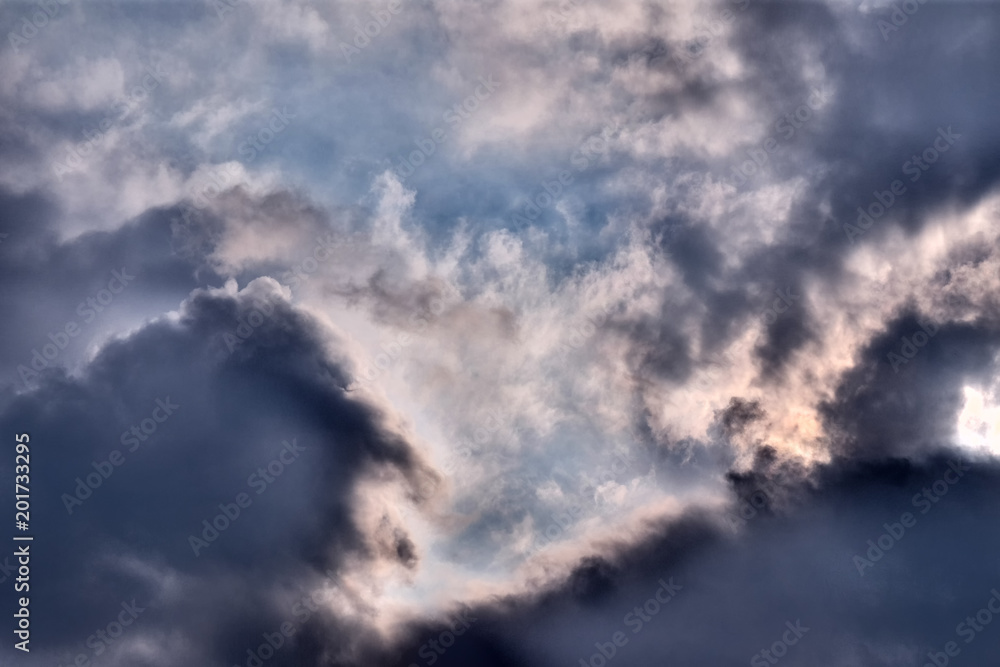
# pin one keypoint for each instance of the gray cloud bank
(678, 346)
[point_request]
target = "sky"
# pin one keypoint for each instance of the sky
(500, 333)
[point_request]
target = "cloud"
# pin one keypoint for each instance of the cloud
(739, 590)
(677, 290)
(204, 454)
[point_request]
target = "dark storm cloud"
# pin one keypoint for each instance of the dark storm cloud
(253, 378)
(881, 118)
(739, 592)
(739, 414)
(45, 283)
(783, 337)
(903, 396)
(659, 350)
(235, 403)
